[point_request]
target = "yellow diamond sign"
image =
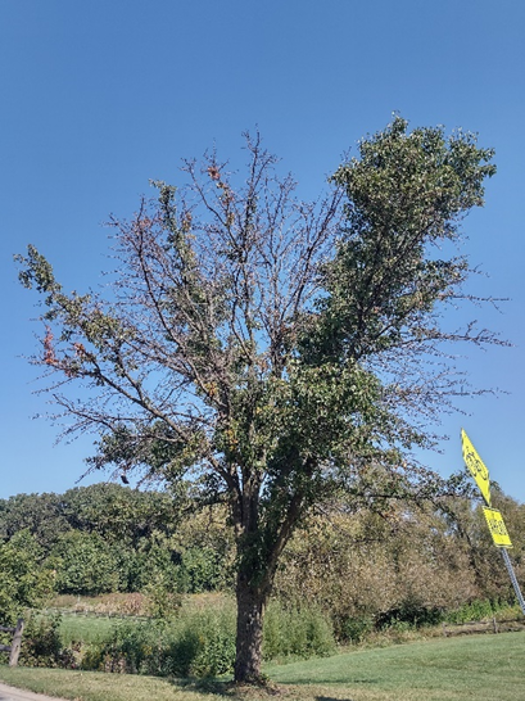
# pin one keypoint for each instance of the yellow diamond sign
(476, 466)
(497, 528)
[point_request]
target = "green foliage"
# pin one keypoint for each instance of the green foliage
(201, 644)
(126, 517)
(85, 564)
(477, 610)
(297, 632)
(205, 646)
(24, 582)
(350, 629)
(204, 568)
(42, 645)
(127, 537)
(406, 192)
(40, 514)
(163, 601)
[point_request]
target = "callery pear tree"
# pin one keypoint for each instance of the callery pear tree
(277, 351)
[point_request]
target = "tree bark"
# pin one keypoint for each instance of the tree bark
(250, 611)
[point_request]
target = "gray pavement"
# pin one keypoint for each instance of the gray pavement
(9, 693)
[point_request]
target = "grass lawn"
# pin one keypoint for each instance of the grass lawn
(475, 667)
(468, 667)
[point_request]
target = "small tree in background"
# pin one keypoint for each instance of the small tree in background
(24, 582)
(277, 350)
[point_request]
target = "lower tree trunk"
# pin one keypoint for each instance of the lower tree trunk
(250, 610)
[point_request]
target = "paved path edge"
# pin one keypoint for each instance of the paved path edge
(11, 693)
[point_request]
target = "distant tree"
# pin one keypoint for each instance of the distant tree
(279, 350)
(84, 564)
(40, 514)
(120, 514)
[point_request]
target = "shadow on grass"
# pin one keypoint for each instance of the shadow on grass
(308, 681)
(236, 692)
(214, 687)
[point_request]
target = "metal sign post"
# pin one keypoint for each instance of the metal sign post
(512, 575)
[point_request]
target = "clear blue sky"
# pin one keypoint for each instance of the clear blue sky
(98, 97)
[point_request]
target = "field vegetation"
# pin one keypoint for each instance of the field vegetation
(145, 586)
(475, 667)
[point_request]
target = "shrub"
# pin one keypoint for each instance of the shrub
(350, 629)
(296, 631)
(205, 644)
(196, 644)
(42, 646)
(201, 642)
(477, 610)
(161, 600)
(409, 614)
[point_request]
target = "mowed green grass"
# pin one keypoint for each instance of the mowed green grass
(477, 667)
(473, 667)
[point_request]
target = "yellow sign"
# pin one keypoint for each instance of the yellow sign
(497, 528)
(476, 466)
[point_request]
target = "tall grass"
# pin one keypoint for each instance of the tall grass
(201, 642)
(197, 641)
(296, 632)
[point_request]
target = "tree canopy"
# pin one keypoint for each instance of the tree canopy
(276, 350)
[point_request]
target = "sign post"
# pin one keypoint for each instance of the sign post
(493, 517)
(512, 575)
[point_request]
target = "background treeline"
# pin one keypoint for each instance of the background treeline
(109, 538)
(362, 569)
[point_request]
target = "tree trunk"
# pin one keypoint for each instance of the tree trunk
(250, 610)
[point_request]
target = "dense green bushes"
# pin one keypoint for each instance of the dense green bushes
(202, 642)
(199, 639)
(84, 564)
(24, 580)
(297, 632)
(43, 645)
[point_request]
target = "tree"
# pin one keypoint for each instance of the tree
(119, 514)
(275, 349)
(24, 582)
(40, 514)
(84, 564)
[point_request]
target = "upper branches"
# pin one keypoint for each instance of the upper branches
(271, 341)
(388, 279)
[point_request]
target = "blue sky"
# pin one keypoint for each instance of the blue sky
(98, 97)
